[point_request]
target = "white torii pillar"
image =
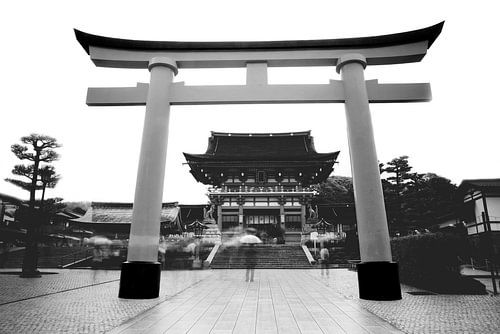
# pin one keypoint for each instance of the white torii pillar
(376, 270)
(140, 275)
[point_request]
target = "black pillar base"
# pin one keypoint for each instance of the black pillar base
(140, 280)
(379, 281)
(30, 274)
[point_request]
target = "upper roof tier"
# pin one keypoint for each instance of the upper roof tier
(402, 47)
(290, 146)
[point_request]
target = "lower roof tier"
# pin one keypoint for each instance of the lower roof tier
(261, 172)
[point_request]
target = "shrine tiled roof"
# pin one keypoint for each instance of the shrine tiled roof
(298, 146)
(480, 183)
(120, 213)
(10, 199)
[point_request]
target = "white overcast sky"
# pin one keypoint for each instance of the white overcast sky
(45, 74)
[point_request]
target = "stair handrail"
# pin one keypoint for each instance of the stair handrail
(309, 256)
(73, 257)
(211, 256)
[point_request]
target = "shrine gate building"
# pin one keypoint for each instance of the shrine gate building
(262, 180)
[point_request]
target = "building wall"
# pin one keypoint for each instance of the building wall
(493, 204)
(252, 201)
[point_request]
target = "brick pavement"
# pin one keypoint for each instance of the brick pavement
(15, 288)
(279, 301)
(74, 305)
(295, 301)
(426, 314)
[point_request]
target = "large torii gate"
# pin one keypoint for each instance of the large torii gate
(377, 275)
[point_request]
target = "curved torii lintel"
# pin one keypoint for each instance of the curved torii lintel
(404, 47)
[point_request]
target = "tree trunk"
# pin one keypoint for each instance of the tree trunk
(43, 195)
(30, 260)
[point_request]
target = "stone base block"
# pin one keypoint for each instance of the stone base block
(140, 280)
(30, 274)
(379, 281)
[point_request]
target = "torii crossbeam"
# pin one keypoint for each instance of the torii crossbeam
(377, 274)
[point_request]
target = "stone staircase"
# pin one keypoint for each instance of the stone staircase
(267, 257)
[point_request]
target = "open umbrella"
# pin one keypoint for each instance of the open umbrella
(81, 231)
(99, 241)
(56, 236)
(250, 239)
(116, 243)
(251, 230)
(69, 237)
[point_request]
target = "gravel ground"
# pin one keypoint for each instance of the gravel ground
(425, 313)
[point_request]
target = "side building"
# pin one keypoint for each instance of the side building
(262, 180)
(113, 219)
(481, 215)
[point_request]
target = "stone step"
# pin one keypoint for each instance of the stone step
(266, 256)
(270, 266)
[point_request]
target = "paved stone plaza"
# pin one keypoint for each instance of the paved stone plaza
(219, 301)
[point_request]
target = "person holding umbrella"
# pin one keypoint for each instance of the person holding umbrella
(249, 240)
(324, 259)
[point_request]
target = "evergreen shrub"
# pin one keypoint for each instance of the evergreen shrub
(431, 261)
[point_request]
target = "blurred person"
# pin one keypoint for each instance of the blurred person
(250, 262)
(324, 260)
(97, 257)
(249, 242)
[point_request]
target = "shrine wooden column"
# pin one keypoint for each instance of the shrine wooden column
(219, 216)
(377, 275)
(302, 216)
(240, 216)
(140, 275)
(282, 216)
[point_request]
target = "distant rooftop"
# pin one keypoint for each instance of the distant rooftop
(121, 213)
(10, 199)
(480, 183)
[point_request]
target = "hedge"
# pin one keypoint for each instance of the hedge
(430, 261)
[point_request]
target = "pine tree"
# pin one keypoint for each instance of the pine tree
(37, 149)
(399, 169)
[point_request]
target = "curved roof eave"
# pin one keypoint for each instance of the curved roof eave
(426, 34)
(194, 158)
(261, 134)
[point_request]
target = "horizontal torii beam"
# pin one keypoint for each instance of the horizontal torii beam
(180, 94)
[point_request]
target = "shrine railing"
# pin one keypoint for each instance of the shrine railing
(276, 190)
